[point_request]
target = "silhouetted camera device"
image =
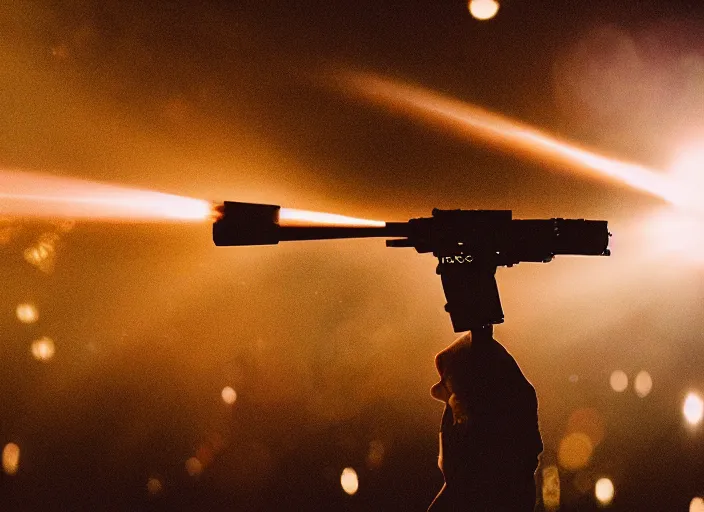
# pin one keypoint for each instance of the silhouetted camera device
(469, 245)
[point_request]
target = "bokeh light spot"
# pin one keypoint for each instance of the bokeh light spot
(205, 454)
(229, 395)
(43, 349)
(604, 491)
(696, 505)
(375, 455)
(551, 488)
(11, 458)
(27, 313)
(349, 481)
(589, 422)
(483, 9)
(693, 409)
(194, 467)
(643, 384)
(618, 381)
(575, 451)
(154, 486)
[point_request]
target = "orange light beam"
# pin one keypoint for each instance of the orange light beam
(294, 217)
(25, 194)
(477, 123)
(32, 195)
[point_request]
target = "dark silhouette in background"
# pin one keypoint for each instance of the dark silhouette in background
(489, 436)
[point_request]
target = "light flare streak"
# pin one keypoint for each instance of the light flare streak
(496, 130)
(33, 195)
(41, 196)
(294, 217)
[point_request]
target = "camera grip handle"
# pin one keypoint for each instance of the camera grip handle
(471, 291)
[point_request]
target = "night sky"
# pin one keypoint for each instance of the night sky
(329, 345)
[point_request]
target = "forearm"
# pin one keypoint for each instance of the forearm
(487, 466)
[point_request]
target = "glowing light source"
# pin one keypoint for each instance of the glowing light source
(551, 488)
(229, 395)
(43, 349)
(696, 505)
(483, 9)
(643, 384)
(194, 467)
(11, 458)
(294, 217)
(53, 197)
(349, 481)
(618, 381)
(604, 491)
(675, 233)
(693, 409)
(575, 451)
(27, 313)
(688, 171)
(154, 486)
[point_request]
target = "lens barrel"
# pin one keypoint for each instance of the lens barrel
(246, 224)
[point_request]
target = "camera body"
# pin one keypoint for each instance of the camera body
(469, 244)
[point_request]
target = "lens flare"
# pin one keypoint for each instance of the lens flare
(575, 451)
(696, 505)
(643, 384)
(483, 9)
(10, 458)
(670, 232)
(618, 381)
(604, 491)
(194, 467)
(154, 486)
(27, 313)
(349, 481)
(688, 171)
(229, 395)
(43, 349)
(24, 194)
(294, 217)
(693, 409)
(482, 125)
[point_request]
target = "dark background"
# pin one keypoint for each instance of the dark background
(330, 345)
